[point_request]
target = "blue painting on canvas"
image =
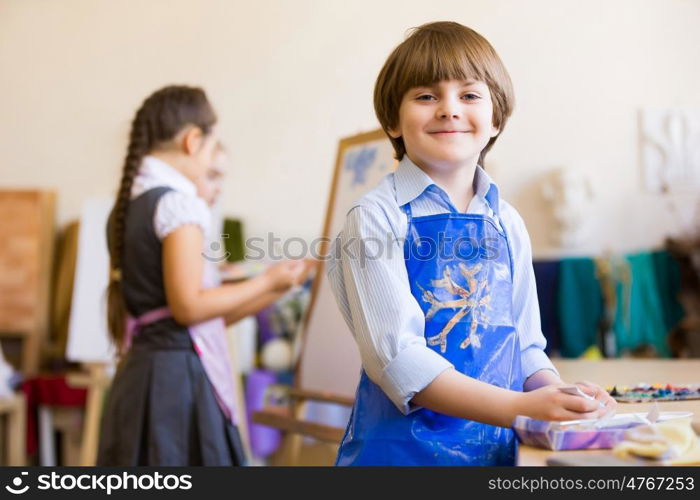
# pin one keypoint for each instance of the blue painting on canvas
(358, 162)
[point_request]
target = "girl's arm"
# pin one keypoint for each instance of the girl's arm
(252, 307)
(259, 303)
(183, 265)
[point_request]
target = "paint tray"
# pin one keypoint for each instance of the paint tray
(585, 434)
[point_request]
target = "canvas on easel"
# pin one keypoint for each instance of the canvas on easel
(26, 255)
(328, 361)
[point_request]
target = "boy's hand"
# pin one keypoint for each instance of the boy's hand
(598, 393)
(549, 403)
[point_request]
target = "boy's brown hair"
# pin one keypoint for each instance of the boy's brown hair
(441, 51)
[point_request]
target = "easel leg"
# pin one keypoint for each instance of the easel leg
(47, 447)
(233, 345)
(16, 433)
(297, 440)
(93, 415)
(96, 381)
(290, 452)
(30, 354)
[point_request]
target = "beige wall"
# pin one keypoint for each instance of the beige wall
(289, 78)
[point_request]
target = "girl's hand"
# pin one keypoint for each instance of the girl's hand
(549, 403)
(287, 274)
(310, 268)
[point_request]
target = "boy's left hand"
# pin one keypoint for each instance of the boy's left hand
(598, 393)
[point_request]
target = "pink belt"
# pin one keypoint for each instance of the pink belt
(209, 340)
(134, 324)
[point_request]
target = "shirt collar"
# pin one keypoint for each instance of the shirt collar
(485, 187)
(156, 169)
(411, 182)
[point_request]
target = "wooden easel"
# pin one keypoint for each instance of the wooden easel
(26, 258)
(96, 380)
(291, 420)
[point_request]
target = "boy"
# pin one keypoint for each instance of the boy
(446, 320)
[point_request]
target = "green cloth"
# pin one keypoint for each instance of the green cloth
(580, 306)
(639, 317)
(233, 240)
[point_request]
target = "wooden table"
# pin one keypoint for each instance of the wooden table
(621, 372)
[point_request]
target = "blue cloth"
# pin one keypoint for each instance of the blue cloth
(668, 279)
(547, 279)
(460, 272)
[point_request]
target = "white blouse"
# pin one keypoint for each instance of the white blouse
(177, 207)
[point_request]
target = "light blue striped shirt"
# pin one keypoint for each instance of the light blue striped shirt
(373, 292)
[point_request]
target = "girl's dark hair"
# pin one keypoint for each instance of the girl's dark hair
(159, 119)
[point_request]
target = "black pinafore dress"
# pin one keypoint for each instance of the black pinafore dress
(162, 408)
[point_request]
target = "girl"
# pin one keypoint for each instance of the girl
(172, 400)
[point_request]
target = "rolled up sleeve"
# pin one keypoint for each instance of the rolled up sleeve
(371, 286)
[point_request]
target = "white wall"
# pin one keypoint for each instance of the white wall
(289, 78)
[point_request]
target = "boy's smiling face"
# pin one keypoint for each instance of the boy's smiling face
(447, 124)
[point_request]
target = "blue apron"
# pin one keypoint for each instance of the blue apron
(460, 271)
